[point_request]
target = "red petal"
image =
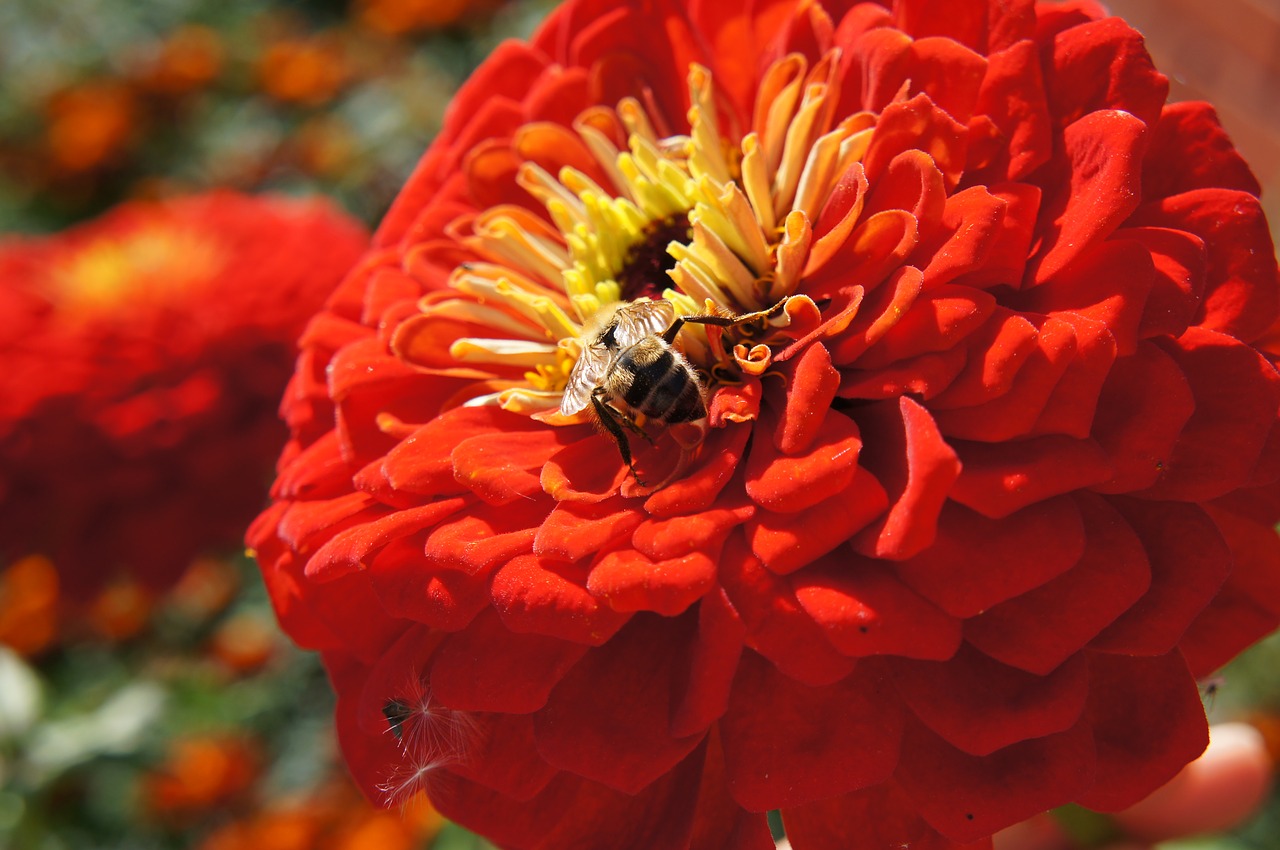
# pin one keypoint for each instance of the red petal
(972, 223)
(917, 124)
(938, 320)
(810, 390)
(874, 818)
(968, 797)
(609, 718)
(979, 705)
(486, 535)
(875, 316)
(678, 536)
(1189, 562)
(408, 588)
(786, 744)
(422, 463)
(865, 610)
(347, 551)
(792, 483)
(573, 812)
(1248, 606)
(1100, 186)
(1004, 258)
(721, 823)
(964, 21)
(1108, 283)
(1044, 627)
(629, 581)
(1071, 407)
(718, 459)
(912, 183)
(1190, 150)
(874, 251)
(504, 758)
(1015, 413)
(925, 376)
(575, 530)
(1103, 65)
(1241, 292)
(1148, 722)
(787, 542)
(577, 473)
(503, 467)
(948, 72)
(1142, 409)
(979, 562)
(914, 464)
(546, 598)
(1237, 393)
(487, 667)
(306, 525)
(996, 352)
(777, 627)
(704, 675)
(1012, 94)
(1179, 261)
(997, 479)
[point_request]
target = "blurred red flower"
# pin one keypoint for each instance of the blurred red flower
(981, 490)
(145, 353)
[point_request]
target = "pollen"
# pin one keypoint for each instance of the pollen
(712, 221)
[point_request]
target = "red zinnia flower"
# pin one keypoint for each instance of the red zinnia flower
(983, 483)
(144, 354)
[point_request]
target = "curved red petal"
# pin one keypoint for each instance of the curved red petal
(979, 562)
(865, 610)
(967, 797)
(786, 743)
(1044, 627)
(979, 705)
(608, 719)
(487, 667)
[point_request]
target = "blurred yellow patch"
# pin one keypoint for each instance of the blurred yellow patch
(146, 265)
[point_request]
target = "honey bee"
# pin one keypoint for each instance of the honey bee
(629, 366)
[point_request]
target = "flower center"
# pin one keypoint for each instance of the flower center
(707, 223)
(645, 271)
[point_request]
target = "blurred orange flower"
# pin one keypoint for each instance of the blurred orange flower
(244, 643)
(90, 125)
(190, 58)
(121, 610)
(199, 774)
(336, 818)
(304, 71)
(29, 605)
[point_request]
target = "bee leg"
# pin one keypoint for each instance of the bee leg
(613, 422)
(669, 335)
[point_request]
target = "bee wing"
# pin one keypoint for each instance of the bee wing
(587, 374)
(644, 318)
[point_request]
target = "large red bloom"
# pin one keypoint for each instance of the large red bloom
(144, 355)
(980, 492)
